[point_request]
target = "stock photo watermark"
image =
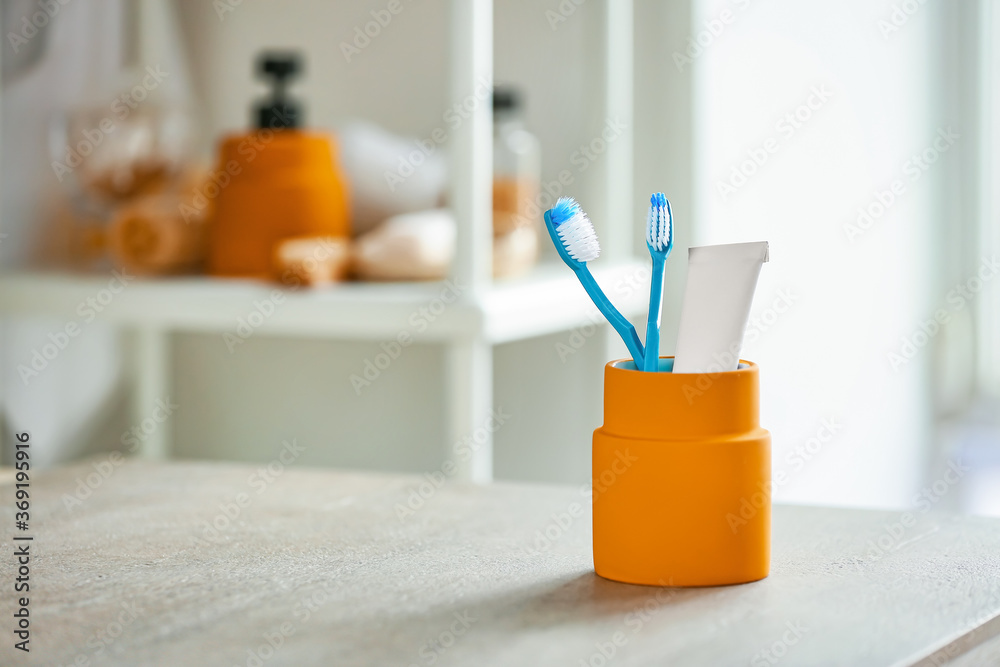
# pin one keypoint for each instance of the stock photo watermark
(85, 486)
(275, 637)
(582, 158)
(759, 323)
(633, 622)
(363, 35)
(262, 311)
(578, 337)
(463, 451)
(420, 321)
(899, 16)
(763, 320)
(162, 411)
(913, 168)
(796, 460)
(561, 13)
(778, 649)
(713, 29)
(223, 7)
(432, 649)
(104, 638)
(266, 308)
(121, 108)
(454, 116)
(806, 451)
(704, 381)
(958, 297)
(977, 621)
(258, 481)
(891, 540)
(30, 25)
(786, 128)
(58, 340)
(585, 155)
(561, 522)
(219, 179)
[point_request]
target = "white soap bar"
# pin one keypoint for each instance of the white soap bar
(720, 284)
(411, 246)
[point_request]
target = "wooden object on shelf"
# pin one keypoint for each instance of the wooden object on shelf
(151, 237)
(515, 252)
(312, 260)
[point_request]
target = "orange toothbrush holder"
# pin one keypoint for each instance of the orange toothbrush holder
(682, 477)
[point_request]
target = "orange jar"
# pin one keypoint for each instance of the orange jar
(273, 184)
(682, 478)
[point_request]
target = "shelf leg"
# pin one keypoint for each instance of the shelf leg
(617, 235)
(152, 407)
(471, 146)
(469, 403)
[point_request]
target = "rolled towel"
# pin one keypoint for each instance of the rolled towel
(149, 236)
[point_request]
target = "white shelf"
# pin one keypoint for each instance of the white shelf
(552, 300)
(487, 313)
(548, 300)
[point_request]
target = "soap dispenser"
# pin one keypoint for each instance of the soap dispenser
(275, 182)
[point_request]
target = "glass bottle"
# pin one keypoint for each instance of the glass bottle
(516, 179)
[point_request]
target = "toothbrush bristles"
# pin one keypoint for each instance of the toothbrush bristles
(659, 223)
(575, 230)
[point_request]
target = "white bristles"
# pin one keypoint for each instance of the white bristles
(659, 225)
(579, 238)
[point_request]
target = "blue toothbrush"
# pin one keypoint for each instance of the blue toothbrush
(574, 237)
(660, 241)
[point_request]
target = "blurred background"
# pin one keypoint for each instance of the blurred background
(233, 224)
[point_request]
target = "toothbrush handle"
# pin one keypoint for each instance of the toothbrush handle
(617, 320)
(651, 360)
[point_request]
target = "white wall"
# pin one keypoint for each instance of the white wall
(826, 357)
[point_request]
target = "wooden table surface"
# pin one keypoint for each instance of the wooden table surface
(221, 564)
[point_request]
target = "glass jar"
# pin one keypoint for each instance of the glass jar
(516, 178)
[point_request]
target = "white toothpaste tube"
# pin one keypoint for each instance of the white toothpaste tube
(721, 281)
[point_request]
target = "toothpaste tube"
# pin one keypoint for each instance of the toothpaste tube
(720, 284)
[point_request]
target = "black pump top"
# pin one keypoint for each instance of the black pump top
(506, 98)
(279, 112)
